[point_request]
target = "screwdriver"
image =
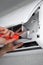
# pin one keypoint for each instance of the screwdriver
(15, 36)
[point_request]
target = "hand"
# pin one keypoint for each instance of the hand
(5, 32)
(9, 47)
(3, 41)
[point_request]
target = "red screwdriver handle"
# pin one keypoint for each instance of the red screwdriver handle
(15, 36)
(1, 34)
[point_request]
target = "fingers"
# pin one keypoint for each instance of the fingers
(6, 49)
(11, 33)
(9, 47)
(9, 41)
(3, 31)
(1, 28)
(8, 33)
(18, 45)
(2, 40)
